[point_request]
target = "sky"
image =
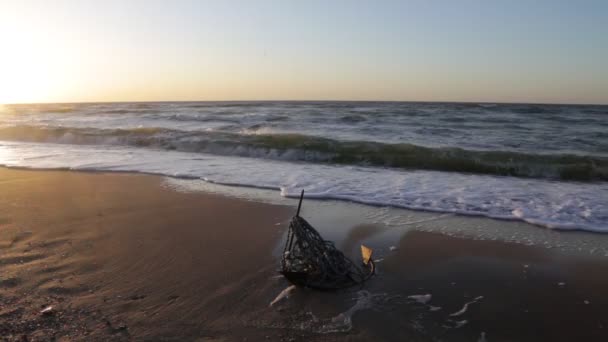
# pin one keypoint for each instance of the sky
(549, 51)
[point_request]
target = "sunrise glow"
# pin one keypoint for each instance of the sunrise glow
(82, 51)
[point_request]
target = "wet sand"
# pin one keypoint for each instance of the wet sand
(529, 293)
(122, 257)
(118, 257)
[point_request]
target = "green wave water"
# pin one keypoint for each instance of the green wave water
(300, 147)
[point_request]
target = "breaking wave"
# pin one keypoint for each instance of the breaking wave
(300, 147)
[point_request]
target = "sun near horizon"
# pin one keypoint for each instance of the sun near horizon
(114, 51)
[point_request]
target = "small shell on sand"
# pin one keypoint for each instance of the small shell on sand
(283, 294)
(47, 311)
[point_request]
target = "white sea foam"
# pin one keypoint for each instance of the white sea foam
(465, 307)
(558, 205)
(422, 299)
(343, 321)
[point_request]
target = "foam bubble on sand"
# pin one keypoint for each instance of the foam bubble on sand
(343, 321)
(460, 324)
(283, 294)
(519, 213)
(465, 307)
(425, 299)
(422, 299)
(455, 324)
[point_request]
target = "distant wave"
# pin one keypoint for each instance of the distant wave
(298, 147)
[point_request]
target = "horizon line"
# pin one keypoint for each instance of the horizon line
(308, 101)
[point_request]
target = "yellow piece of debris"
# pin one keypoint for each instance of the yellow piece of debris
(366, 254)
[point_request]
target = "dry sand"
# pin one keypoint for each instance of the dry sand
(121, 257)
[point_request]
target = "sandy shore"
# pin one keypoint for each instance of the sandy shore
(119, 256)
(123, 257)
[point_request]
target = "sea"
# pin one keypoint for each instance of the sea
(542, 164)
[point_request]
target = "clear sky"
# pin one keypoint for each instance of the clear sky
(452, 50)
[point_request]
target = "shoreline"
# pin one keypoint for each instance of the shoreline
(123, 256)
(532, 222)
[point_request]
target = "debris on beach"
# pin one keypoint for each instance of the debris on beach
(47, 311)
(312, 262)
(283, 294)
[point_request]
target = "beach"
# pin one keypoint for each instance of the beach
(120, 256)
(303, 171)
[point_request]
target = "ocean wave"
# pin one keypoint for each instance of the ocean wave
(534, 109)
(298, 147)
(556, 205)
(353, 118)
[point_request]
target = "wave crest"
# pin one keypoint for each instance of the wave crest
(298, 147)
